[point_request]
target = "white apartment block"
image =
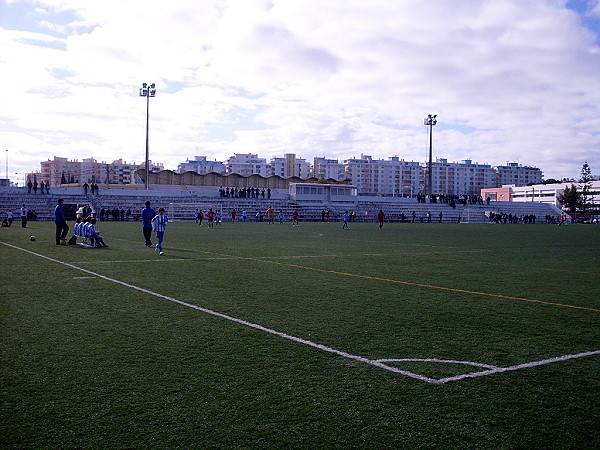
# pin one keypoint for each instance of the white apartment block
(328, 168)
(247, 164)
(120, 172)
(518, 175)
(548, 193)
(460, 178)
(393, 177)
(201, 165)
(290, 166)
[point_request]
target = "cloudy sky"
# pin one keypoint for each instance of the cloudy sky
(510, 80)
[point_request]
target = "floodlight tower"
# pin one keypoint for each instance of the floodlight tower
(430, 121)
(147, 91)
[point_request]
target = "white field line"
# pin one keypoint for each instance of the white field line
(230, 258)
(221, 258)
(377, 363)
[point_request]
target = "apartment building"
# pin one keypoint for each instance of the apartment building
(247, 164)
(518, 175)
(393, 177)
(290, 166)
(201, 165)
(64, 171)
(460, 178)
(56, 171)
(328, 168)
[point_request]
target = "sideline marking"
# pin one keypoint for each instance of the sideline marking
(409, 283)
(377, 363)
(220, 258)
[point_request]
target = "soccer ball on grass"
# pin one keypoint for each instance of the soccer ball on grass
(32, 238)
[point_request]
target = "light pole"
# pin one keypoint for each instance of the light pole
(7, 181)
(430, 121)
(147, 91)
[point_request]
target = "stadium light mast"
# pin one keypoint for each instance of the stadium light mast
(147, 91)
(430, 121)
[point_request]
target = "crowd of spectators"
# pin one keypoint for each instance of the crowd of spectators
(452, 200)
(244, 192)
(511, 218)
(34, 187)
(116, 215)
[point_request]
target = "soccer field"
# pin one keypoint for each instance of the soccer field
(252, 335)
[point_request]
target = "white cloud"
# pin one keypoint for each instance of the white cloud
(509, 80)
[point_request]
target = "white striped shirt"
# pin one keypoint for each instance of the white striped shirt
(87, 229)
(159, 223)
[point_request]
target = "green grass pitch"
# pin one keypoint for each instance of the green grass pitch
(96, 353)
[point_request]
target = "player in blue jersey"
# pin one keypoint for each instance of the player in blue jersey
(159, 225)
(61, 224)
(147, 216)
(345, 219)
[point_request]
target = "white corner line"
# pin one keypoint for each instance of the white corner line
(377, 363)
(518, 367)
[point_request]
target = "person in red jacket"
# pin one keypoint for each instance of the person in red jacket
(211, 218)
(380, 218)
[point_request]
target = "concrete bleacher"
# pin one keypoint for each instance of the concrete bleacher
(182, 203)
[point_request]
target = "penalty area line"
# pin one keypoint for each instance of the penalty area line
(377, 363)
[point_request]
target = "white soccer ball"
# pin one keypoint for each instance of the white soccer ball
(32, 238)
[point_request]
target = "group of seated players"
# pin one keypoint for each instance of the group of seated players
(86, 229)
